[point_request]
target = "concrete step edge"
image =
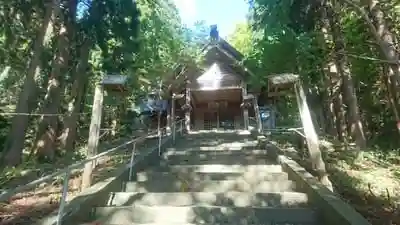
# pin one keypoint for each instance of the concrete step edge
(218, 168)
(208, 186)
(149, 175)
(189, 214)
(275, 199)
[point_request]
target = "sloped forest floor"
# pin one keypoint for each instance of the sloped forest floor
(27, 207)
(371, 185)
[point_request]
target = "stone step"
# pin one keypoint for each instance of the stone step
(249, 176)
(222, 134)
(220, 140)
(178, 185)
(214, 152)
(211, 223)
(201, 215)
(219, 159)
(227, 199)
(218, 168)
(216, 223)
(210, 146)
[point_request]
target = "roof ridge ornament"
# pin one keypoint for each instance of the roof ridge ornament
(214, 34)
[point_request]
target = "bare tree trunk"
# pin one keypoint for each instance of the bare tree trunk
(16, 139)
(45, 143)
(333, 82)
(386, 40)
(349, 93)
(390, 84)
(78, 89)
(375, 19)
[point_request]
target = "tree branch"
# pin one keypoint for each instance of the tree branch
(364, 16)
(373, 59)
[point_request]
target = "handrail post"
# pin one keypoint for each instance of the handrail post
(159, 133)
(182, 128)
(159, 142)
(131, 162)
(173, 103)
(173, 132)
(63, 199)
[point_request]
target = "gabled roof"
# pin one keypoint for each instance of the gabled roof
(230, 52)
(227, 51)
(226, 47)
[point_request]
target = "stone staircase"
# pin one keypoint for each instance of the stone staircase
(209, 178)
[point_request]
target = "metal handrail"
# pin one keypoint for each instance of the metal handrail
(66, 171)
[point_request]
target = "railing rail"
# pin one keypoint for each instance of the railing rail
(66, 172)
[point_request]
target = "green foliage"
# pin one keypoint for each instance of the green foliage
(4, 126)
(286, 37)
(242, 38)
(142, 39)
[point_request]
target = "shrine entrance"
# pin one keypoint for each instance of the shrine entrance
(210, 120)
(217, 109)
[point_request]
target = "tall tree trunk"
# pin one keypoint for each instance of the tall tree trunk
(333, 82)
(374, 17)
(349, 94)
(386, 40)
(390, 84)
(16, 138)
(78, 90)
(45, 143)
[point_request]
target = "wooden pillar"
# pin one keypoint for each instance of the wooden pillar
(94, 133)
(187, 113)
(245, 110)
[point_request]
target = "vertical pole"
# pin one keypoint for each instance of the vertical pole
(181, 125)
(169, 111)
(131, 162)
(173, 118)
(169, 121)
(63, 199)
(159, 133)
(159, 120)
(257, 112)
(94, 132)
(187, 113)
(245, 110)
(217, 112)
(273, 117)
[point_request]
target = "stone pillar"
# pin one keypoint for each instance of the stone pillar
(187, 113)
(245, 110)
